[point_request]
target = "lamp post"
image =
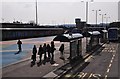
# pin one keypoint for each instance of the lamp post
(106, 21)
(102, 17)
(96, 15)
(87, 7)
(36, 14)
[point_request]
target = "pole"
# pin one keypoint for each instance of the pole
(86, 12)
(102, 20)
(36, 13)
(96, 18)
(86, 26)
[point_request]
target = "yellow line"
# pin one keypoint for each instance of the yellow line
(68, 75)
(88, 58)
(86, 55)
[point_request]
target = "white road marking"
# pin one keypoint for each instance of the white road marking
(111, 61)
(110, 65)
(108, 70)
(84, 75)
(55, 64)
(81, 74)
(90, 76)
(106, 76)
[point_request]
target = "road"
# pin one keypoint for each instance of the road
(102, 64)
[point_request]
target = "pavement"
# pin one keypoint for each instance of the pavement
(18, 65)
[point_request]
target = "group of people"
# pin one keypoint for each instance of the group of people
(46, 50)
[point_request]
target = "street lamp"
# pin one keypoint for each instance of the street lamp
(36, 14)
(102, 17)
(96, 15)
(106, 20)
(87, 7)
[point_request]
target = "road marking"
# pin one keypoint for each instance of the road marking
(68, 75)
(84, 75)
(111, 61)
(113, 55)
(108, 70)
(112, 58)
(81, 74)
(110, 65)
(55, 64)
(90, 76)
(106, 76)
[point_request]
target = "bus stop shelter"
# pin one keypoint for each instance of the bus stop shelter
(93, 41)
(104, 36)
(75, 45)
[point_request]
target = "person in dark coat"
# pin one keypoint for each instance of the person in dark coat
(34, 53)
(40, 52)
(52, 50)
(19, 45)
(48, 51)
(44, 51)
(61, 49)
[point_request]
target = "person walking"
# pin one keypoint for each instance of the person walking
(34, 53)
(61, 49)
(33, 57)
(19, 45)
(48, 51)
(52, 51)
(44, 51)
(40, 52)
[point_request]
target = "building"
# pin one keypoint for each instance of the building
(80, 24)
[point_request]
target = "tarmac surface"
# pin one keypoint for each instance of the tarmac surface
(103, 64)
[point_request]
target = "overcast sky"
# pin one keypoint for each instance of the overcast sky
(57, 11)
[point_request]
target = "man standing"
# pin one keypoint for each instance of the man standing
(52, 51)
(19, 45)
(61, 49)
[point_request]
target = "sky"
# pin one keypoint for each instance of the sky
(57, 11)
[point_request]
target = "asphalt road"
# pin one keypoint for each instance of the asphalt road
(103, 64)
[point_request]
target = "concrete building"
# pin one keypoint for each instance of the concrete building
(80, 24)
